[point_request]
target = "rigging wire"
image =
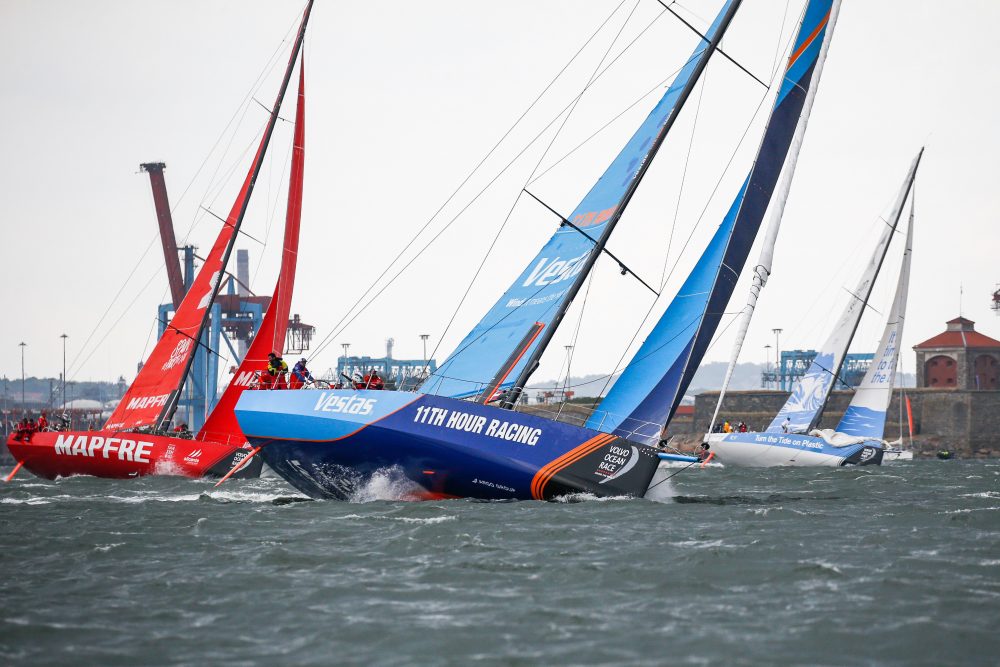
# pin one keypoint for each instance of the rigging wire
(328, 338)
(698, 220)
(341, 325)
(334, 330)
(719, 50)
(606, 125)
(268, 66)
(517, 199)
(684, 172)
(687, 241)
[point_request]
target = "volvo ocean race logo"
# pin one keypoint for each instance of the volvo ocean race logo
(617, 462)
(178, 355)
(867, 453)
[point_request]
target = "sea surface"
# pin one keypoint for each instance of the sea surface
(898, 565)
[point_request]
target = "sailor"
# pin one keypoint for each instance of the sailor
(703, 452)
(43, 423)
(786, 426)
(727, 427)
(32, 427)
(743, 427)
(373, 381)
(277, 368)
(300, 374)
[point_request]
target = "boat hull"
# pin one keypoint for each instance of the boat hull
(764, 450)
(52, 454)
(327, 443)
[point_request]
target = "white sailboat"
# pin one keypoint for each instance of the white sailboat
(792, 437)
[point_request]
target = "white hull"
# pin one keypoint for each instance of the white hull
(894, 455)
(767, 450)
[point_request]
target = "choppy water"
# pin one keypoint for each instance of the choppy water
(890, 566)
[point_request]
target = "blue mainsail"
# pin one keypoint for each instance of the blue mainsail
(498, 348)
(653, 384)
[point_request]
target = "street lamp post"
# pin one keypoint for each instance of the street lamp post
(569, 361)
(6, 420)
(779, 374)
(424, 338)
(767, 366)
(22, 345)
(64, 337)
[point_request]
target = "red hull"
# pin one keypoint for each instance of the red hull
(52, 454)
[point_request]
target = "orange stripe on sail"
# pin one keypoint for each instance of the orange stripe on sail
(809, 40)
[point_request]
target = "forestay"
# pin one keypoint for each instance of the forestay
(652, 385)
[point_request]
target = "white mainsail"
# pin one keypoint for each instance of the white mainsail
(865, 416)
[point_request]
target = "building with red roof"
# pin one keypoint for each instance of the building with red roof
(959, 358)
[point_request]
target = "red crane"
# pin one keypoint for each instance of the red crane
(173, 263)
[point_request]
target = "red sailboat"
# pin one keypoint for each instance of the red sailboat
(135, 440)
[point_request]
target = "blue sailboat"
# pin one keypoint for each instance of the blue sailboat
(459, 436)
(792, 438)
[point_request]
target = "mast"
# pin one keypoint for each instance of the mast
(871, 285)
(221, 424)
(514, 394)
(763, 269)
(171, 405)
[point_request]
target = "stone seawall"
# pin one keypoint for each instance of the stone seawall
(965, 422)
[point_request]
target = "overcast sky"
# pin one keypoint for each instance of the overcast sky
(404, 99)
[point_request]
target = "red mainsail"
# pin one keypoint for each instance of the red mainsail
(221, 425)
(152, 397)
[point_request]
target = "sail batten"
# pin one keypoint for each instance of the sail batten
(546, 287)
(652, 385)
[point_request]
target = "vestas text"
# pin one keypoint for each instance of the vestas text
(350, 405)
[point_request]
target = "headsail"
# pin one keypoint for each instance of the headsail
(865, 416)
(805, 406)
(503, 347)
(221, 425)
(152, 397)
(651, 387)
(762, 271)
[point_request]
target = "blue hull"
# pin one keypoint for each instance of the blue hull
(326, 443)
